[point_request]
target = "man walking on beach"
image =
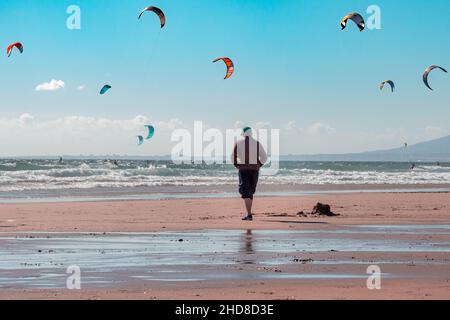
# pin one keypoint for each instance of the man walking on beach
(248, 157)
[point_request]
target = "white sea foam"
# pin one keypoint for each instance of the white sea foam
(47, 175)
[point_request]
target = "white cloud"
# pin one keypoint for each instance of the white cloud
(319, 128)
(315, 129)
(73, 135)
(81, 87)
(256, 125)
(238, 124)
(292, 128)
(291, 125)
(53, 85)
(261, 125)
(26, 135)
(434, 132)
(26, 119)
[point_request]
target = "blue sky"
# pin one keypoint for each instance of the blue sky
(293, 63)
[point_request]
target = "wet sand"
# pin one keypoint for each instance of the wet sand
(347, 289)
(283, 256)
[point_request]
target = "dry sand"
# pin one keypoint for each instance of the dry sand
(198, 214)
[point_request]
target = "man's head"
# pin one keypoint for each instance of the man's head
(247, 132)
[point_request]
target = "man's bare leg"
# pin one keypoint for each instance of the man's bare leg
(248, 207)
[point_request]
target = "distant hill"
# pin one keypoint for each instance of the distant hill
(432, 151)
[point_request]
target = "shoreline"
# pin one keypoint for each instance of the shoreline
(225, 192)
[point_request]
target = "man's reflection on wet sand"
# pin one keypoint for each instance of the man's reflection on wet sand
(246, 248)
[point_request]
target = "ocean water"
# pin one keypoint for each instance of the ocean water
(49, 178)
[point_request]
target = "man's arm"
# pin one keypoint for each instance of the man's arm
(262, 154)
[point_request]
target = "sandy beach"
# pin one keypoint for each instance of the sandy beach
(197, 214)
(412, 272)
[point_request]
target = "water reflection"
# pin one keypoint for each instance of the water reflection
(39, 260)
(246, 248)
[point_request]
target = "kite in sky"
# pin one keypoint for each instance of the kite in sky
(140, 140)
(427, 72)
(158, 12)
(356, 18)
(390, 82)
(229, 64)
(17, 45)
(105, 89)
(151, 131)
